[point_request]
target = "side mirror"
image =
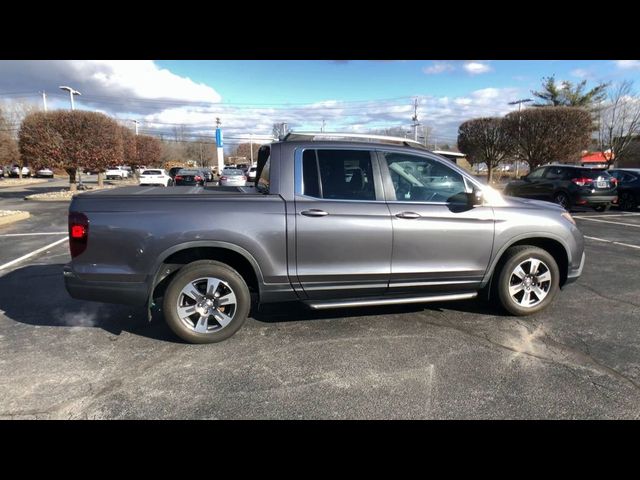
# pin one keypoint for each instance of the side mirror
(475, 197)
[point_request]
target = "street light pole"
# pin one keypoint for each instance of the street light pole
(137, 123)
(72, 92)
(519, 103)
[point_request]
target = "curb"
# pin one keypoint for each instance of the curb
(16, 217)
(32, 182)
(48, 199)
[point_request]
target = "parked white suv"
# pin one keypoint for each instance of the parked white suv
(117, 173)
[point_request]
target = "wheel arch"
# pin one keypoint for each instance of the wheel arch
(173, 259)
(553, 245)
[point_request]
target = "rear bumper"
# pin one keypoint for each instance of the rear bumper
(591, 200)
(574, 274)
(124, 293)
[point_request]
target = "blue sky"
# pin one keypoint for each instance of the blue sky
(289, 81)
(250, 96)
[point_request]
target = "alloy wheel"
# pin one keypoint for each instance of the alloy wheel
(530, 282)
(206, 305)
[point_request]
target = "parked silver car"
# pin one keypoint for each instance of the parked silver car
(233, 178)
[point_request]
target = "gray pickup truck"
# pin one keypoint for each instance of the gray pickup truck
(331, 222)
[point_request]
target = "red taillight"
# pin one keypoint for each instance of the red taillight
(178, 177)
(198, 178)
(614, 180)
(244, 178)
(78, 233)
(581, 182)
(223, 178)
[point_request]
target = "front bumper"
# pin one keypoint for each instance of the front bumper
(574, 274)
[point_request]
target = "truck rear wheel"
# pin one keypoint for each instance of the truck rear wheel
(528, 281)
(206, 302)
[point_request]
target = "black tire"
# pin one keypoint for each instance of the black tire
(627, 201)
(196, 270)
(602, 208)
(562, 199)
(512, 258)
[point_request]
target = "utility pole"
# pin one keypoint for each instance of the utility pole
(415, 119)
(519, 103)
(44, 100)
(251, 146)
(137, 123)
(323, 123)
(72, 92)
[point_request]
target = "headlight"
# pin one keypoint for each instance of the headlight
(568, 216)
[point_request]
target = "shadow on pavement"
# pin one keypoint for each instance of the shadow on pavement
(35, 295)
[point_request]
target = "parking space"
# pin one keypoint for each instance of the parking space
(580, 358)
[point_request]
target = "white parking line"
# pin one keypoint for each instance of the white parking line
(605, 216)
(31, 234)
(35, 252)
(607, 221)
(611, 241)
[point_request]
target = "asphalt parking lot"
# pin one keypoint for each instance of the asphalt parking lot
(63, 358)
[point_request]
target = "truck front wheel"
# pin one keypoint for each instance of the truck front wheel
(206, 302)
(528, 281)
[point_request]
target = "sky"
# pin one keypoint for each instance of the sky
(249, 96)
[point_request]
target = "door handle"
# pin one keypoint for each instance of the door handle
(408, 215)
(314, 213)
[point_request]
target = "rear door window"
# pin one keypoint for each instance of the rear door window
(338, 174)
(536, 174)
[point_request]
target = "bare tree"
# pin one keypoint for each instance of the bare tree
(244, 150)
(279, 130)
(619, 121)
(485, 140)
(148, 151)
(70, 140)
(545, 135)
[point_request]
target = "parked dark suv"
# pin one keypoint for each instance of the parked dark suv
(628, 187)
(567, 185)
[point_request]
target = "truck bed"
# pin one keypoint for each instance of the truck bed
(170, 191)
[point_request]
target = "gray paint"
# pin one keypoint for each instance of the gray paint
(360, 249)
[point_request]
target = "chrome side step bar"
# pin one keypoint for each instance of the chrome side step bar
(322, 305)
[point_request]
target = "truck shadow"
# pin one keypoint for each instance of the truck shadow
(35, 295)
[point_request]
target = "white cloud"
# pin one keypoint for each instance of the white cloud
(580, 73)
(628, 64)
(163, 101)
(438, 67)
(475, 68)
(143, 78)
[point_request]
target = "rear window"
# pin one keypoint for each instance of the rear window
(232, 172)
(152, 172)
(189, 172)
(591, 173)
